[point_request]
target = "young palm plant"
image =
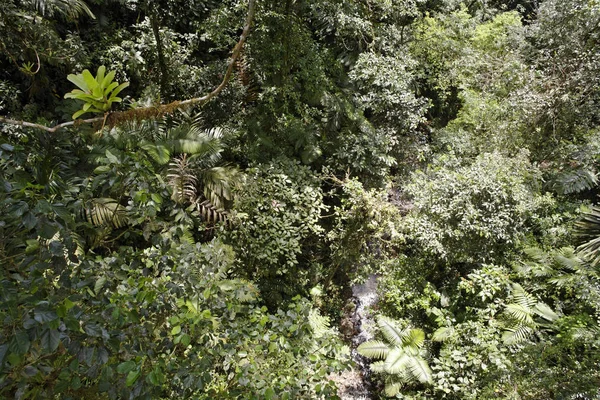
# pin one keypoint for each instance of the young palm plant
(519, 316)
(587, 229)
(403, 357)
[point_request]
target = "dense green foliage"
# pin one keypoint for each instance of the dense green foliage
(450, 148)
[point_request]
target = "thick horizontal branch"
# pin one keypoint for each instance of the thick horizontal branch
(116, 117)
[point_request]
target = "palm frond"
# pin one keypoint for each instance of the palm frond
(69, 8)
(390, 331)
(392, 389)
(181, 180)
(377, 366)
(522, 315)
(413, 338)
(587, 230)
(544, 311)
(374, 349)
(517, 335)
(576, 181)
(105, 212)
(218, 183)
(419, 369)
(521, 297)
(396, 361)
(210, 213)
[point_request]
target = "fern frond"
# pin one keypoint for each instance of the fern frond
(218, 184)
(567, 258)
(373, 349)
(318, 323)
(69, 8)
(397, 361)
(521, 297)
(377, 366)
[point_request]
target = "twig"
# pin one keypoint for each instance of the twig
(154, 111)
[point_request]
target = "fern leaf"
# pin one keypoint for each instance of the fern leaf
(587, 229)
(181, 181)
(377, 366)
(521, 297)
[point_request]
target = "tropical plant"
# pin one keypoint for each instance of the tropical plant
(519, 316)
(403, 356)
(587, 230)
(97, 93)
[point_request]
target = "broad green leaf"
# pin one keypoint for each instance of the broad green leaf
(132, 377)
(111, 157)
(109, 88)
(100, 73)
(42, 316)
(99, 284)
(78, 114)
(89, 80)
(125, 367)
(78, 81)
(118, 90)
(108, 81)
(442, 334)
(20, 343)
(50, 340)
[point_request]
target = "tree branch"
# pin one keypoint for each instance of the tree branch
(116, 117)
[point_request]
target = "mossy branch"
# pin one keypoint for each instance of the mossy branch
(116, 117)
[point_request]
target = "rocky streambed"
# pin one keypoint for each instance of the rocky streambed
(359, 325)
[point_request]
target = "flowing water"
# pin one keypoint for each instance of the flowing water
(355, 384)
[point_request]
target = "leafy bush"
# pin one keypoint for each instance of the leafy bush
(277, 229)
(474, 213)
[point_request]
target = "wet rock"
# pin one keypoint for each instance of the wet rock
(358, 326)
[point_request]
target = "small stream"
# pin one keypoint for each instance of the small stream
(355, 384)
